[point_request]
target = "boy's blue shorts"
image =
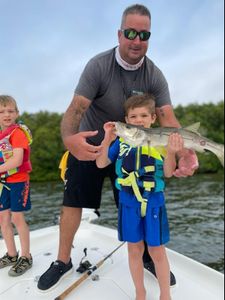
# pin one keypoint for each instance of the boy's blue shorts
(16, 197)
(153, 228)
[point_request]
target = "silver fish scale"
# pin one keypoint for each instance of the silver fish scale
(139, 136)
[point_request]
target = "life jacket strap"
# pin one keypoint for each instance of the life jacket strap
(131, 181)
(63, 165)
(2, 186)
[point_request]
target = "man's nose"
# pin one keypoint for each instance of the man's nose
(137, 40)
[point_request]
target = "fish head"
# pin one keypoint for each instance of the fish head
(132, 135)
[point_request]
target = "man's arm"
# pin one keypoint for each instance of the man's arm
(187, 159)
(73, 115)
(73, 140)
(166, 116)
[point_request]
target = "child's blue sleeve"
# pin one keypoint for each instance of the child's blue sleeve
(114, 150)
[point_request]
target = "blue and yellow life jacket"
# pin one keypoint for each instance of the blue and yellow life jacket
(140, 170)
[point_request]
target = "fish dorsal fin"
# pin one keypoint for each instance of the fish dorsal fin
(194, 127)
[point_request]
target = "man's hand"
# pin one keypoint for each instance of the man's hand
(187, 164)
(78, 146)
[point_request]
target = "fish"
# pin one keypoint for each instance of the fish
(139, 136)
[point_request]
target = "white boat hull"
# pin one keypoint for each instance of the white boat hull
(194, 280)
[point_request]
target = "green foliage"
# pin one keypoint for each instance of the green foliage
(47, 148)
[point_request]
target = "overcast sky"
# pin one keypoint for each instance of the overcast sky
(45, 44)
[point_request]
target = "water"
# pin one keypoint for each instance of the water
(195, 209)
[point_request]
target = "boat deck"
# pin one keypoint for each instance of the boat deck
(194, 280)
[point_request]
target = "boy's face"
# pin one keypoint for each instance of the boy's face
(8, 115)
(140, 116)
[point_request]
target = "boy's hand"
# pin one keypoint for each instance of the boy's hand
(175, 143)
(110, 135)
(109, 126)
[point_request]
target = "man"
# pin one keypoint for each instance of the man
(107, 80)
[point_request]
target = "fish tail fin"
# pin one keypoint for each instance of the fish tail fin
(220, 154)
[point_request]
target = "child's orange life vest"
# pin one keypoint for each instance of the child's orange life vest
(6, 150)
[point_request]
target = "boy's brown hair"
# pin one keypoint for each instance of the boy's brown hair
(5, 99)
(146, 100)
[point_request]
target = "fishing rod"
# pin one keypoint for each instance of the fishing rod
(86, 275)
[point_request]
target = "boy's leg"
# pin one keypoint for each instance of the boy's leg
(19, 203)
(147, 260)
(146, 256)
(135, 252)
(157, 232)
(162, 268)
(7, 232)
(19, 221)
(25, 260)
(131, 229)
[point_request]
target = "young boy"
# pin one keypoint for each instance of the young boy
(15, 166)
(137, 221)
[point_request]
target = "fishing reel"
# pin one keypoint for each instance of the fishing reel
(84, 266)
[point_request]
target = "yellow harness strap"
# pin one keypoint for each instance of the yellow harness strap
(131, 180)
(27, 132)
(2, 185)
(63, 165)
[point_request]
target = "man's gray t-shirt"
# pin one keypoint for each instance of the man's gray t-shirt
(107, 85)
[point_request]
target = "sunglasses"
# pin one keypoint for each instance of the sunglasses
(131, 34)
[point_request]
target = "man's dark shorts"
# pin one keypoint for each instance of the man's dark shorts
(84, 181)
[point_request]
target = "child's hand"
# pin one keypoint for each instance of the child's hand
(109, 128)
(175, 143)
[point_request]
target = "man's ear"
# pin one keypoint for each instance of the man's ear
(153, 118)
(119, 33)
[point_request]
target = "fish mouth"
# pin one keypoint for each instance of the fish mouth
(130, 133)
(130, 128)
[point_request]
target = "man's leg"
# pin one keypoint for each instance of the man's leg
(69, 224)
(83, 186)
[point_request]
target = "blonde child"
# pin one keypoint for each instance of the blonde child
(138, 222)
(15, 167)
